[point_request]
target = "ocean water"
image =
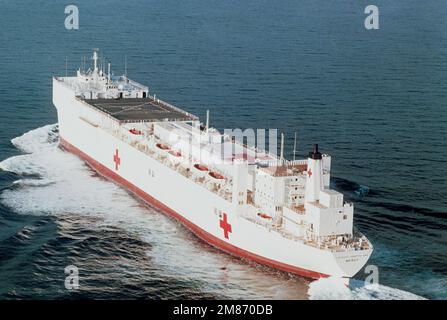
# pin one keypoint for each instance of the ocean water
(374, 100)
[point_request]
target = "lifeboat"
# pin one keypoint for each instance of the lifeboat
(200, 169)
(264, 216)
(162, 149)
(136, 131)
(162, 146)
(216, 175)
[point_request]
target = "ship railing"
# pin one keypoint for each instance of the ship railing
(275, 163)
(189, 115)
(274, 157)
(137, 84)
(295, 162)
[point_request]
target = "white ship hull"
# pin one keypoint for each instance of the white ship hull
(194, 206)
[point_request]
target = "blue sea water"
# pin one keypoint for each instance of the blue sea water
(374, 100)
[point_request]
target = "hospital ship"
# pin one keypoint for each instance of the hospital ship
(245, 201)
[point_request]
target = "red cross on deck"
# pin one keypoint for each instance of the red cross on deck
(225, 226)
(116, 159)
(309, 173)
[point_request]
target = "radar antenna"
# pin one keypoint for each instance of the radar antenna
(125, 66)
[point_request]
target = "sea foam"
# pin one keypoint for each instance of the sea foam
(335, 289)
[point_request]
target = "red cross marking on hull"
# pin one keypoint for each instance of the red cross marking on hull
(116, 159)
(225, 226)
(309, 173)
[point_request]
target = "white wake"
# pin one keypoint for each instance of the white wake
(335, 289)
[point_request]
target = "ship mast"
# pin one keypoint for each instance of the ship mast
(294, 148)
(207, 120)
(95, 61)
(108, 73)
(125, 67)
(281, 156)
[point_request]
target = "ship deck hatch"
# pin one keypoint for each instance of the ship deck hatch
(130, 110)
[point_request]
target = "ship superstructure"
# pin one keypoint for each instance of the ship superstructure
(245, 201)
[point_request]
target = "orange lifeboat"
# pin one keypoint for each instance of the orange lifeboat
(200, 167)
(216, 175)
(135, 131)
(162, 146)
(264, 216)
